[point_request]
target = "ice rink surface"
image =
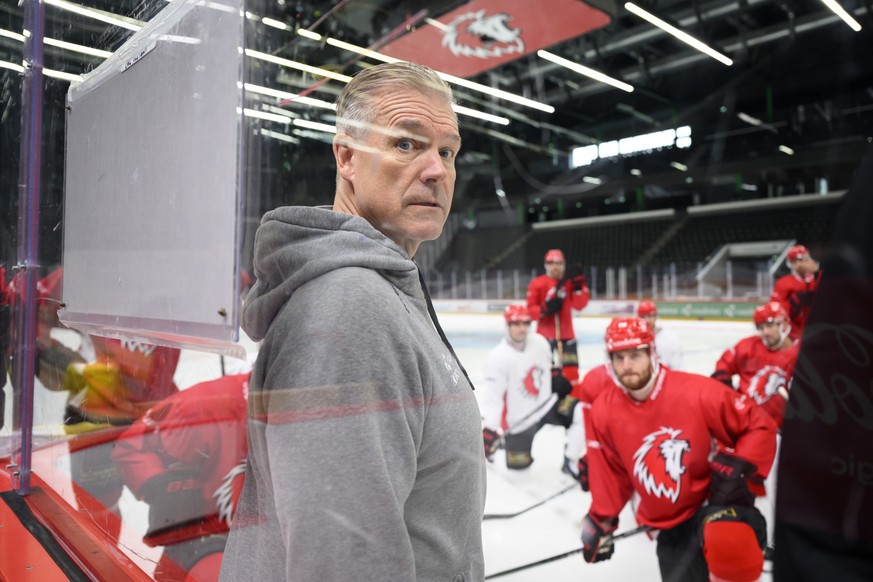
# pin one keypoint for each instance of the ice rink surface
(548, 530)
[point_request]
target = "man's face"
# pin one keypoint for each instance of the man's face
(555, 269)
(518, 330)
(633, 368)
(771, 332)
(403, 175)
(804, 265)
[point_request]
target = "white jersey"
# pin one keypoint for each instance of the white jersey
(668, 347)
(520, 380)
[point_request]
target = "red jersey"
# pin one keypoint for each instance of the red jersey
(796, 293)
(537, 291)
(201, 429)
(660, 448)
(595, 382)
(762, 372)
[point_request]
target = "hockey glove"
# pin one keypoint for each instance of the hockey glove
(560, 385)
(553, 306)
(723, 377)
(578, 282)
(597, 539)
(492, 442)
(583, 472)
(554, 302)
(731, 477)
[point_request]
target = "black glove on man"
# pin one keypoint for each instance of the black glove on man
(597, 539)
(560, 385)
(492, 442)
(578, 282)
(730, 481)
(583, 472)
(553, 306)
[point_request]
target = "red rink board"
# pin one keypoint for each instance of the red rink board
(486, 33)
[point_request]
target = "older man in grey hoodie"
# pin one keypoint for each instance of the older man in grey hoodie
(365, 455)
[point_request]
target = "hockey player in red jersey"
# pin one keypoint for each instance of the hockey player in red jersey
(652, 435)
(551, 299)
(186, 458)
(797, 289)
(521, 381)
(764, 362)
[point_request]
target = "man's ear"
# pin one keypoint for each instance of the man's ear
(344, 152)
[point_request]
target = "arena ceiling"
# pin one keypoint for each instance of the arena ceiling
(792, 113)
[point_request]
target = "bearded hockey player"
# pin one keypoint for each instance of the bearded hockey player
(520, 381)
(652, 435)
(764, 362)
(796, 290)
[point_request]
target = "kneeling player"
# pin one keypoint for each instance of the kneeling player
(520, 380)
(653, 435)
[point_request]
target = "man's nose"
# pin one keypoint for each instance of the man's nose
(434, 167)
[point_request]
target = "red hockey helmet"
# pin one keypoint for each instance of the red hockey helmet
(797, 252)
(554, 255)
(627, 333)
(771, 311)
(516, 313)
(647, 307)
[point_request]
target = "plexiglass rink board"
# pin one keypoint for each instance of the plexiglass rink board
(153, 211)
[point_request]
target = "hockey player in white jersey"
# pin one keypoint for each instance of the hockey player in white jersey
(666, 341)
(522, 383)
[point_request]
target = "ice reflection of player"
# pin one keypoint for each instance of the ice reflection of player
(123, 380)
(186, 458)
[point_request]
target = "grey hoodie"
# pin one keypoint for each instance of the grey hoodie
(365, 452)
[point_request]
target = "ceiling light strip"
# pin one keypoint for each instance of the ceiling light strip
(461, 110)
(505, 95)
(840, 11)
(299, 66)
(583, 70)
(95, 14)
(12, 66)
(683, 36)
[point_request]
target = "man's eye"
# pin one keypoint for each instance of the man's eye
(405, 144)
(447, 154)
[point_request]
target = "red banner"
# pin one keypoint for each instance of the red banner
(486, 33)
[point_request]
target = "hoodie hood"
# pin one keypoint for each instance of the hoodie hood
(295, 245)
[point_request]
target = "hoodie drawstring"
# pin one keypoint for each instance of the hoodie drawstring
(439, 329)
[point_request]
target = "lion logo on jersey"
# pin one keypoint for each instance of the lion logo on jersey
(476, 34)
(658, 463)
(766, 382)
(227, 494)
(532, 381)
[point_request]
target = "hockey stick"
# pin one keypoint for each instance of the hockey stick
(626, 534)
(534, 506)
